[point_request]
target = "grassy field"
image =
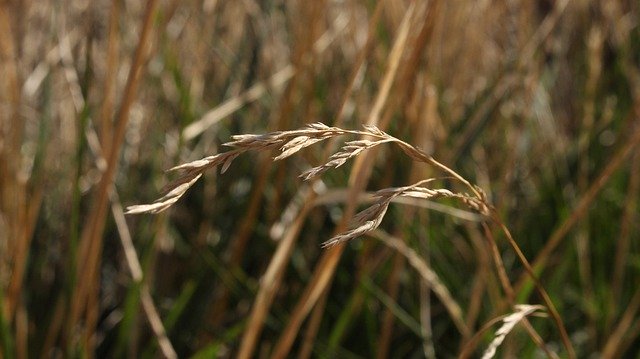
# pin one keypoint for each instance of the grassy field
(470, 179)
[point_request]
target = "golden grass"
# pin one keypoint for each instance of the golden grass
(534, 104)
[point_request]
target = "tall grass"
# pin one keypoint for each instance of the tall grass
(488, 205)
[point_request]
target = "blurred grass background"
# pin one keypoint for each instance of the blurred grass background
(537, 102)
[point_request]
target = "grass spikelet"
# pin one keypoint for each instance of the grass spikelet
(370, 218)
(168, 199)
(291, 142)
(508, 323)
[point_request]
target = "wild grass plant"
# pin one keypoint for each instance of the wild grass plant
(470, 179)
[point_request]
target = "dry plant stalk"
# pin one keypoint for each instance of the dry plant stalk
(292, 141)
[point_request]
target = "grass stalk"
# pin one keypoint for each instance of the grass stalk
(327, 265)
(91, 238)
(255, 327)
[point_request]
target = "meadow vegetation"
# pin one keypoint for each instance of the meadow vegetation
(326, 178)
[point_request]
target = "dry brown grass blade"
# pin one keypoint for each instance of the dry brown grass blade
(269, 284)
(20, 194)
(542, 32)
(482, 277)
(359, 176)
(263, 306)
(422, 114)
(20, 197)
(617, 337)
(305, 57)
(309, 336)
(629, 217)
(238, 244)
(21, 253)
(321, 278)
(22, 332)
(310, 41)
(595, 42)
(12, 199)
(106, 112)
(91, 238)
(481, 286)
(56, 323)
(92, 139)
(131, 257)
(353, 82)
(629, 339)
(399, 266)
